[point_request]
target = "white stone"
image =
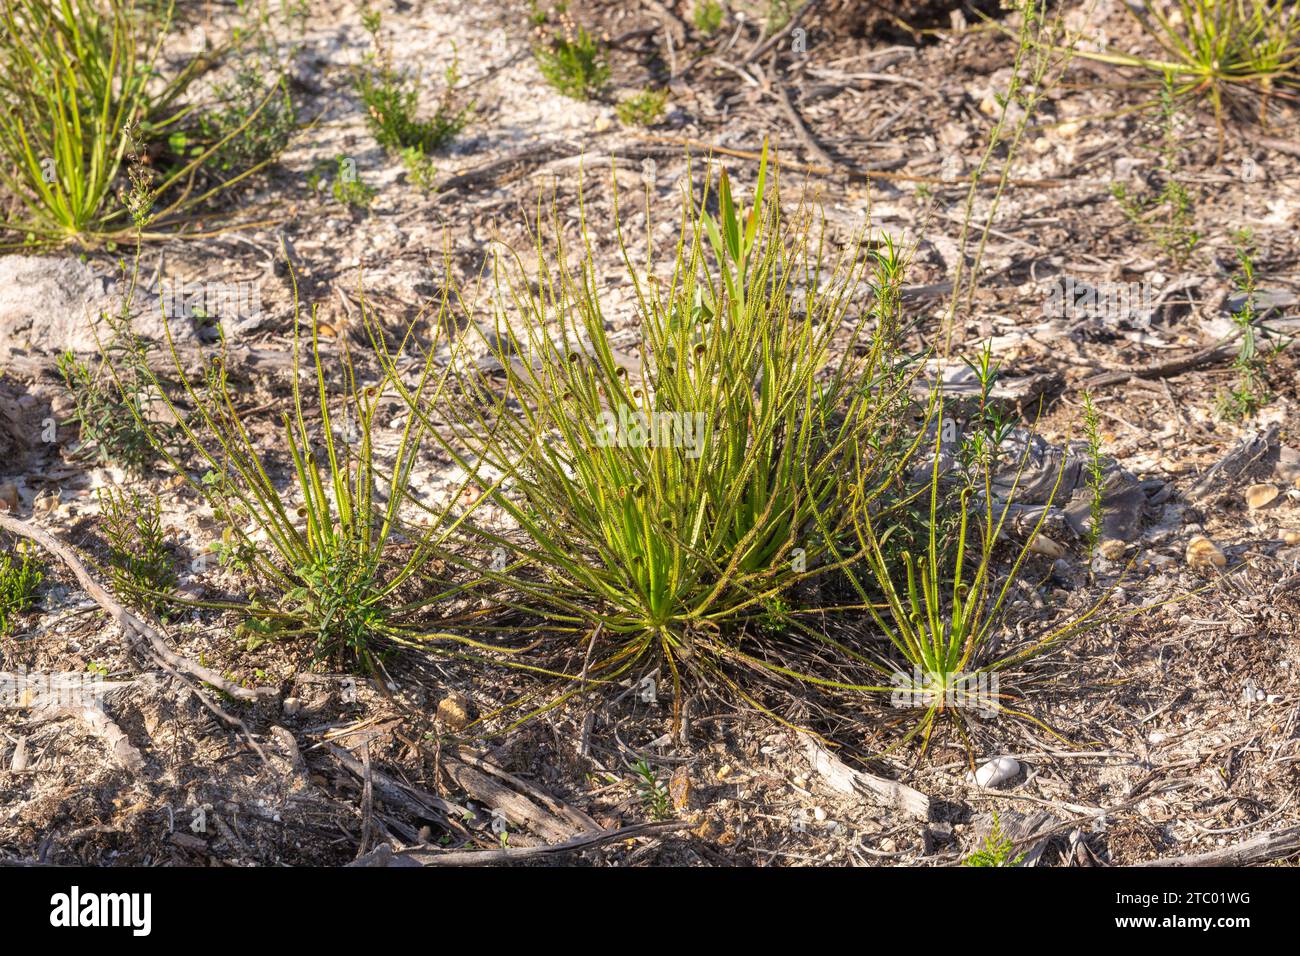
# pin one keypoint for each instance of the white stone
(996, 771)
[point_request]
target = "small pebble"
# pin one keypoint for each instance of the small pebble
(455, 711)
(1042, 544)
(1204, 553)
(1257, 496)
(1100, 566)
(996, 771)
(1112, 549)
(18, 762)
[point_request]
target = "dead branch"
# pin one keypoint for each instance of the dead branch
(1277, 845)
(797, 121)
(779, 35)
(868, 171)
(33, 365)
(517, 809)
(674, 25)
(20, 691)
(576, 819)
(845, 779)
(1206, 356)
(384, 855)
(398, 795)
(120, 749)
(140, 634)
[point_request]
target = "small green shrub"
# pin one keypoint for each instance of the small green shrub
(664, 503)
(112, 403)
(988, 425)
(72, 81)
(253, 124)
(778, 14)
(419, 167)
(345, 186)
(1218, 48)
(1096, 497)
(943, 608)
(996, 850)
(643, 109)
(572, 61)
(391, 102)
(392, 99)
(111, 432)
(653, 794)
(707, 16)
(140, 559)
(537, 16)
(1251, 392)
(20, 574)
(1167, 214)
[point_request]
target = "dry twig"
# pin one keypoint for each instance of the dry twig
(384, 855)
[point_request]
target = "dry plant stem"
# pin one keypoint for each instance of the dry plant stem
(139, 633)
(800, 127)
(394, 792)
(547, 816)
(193, 360)
(674, 24)
(518, 810)
(575, 818)
(384, 856)
(1038, 64)
(1219, 352)
(776, 37)
(1276, 144)
(30, 700)
(367, 799)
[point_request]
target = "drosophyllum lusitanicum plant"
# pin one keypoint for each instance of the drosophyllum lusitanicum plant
(667, 500)
(324, 529)
(663, 496)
